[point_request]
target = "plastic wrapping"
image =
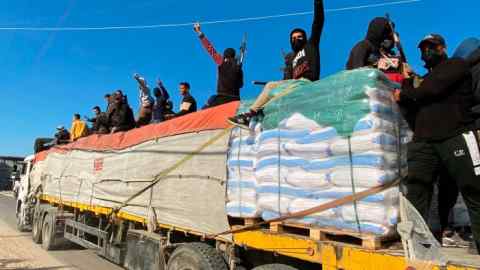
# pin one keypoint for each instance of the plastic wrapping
(326, 140)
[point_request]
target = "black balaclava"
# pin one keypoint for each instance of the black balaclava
(229, 53)
(298, 44)
(432, 57)
(380, 33)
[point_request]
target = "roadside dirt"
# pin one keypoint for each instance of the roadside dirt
(17, 251)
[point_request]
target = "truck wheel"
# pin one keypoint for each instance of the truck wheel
(48, 232)
(275, 266)
(196, 256)
(37, 228)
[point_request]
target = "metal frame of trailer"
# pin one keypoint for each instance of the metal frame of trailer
(327, 254)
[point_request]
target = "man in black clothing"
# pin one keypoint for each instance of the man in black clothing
(378, 42)
(444, 135)
(189, 105)
(160, 107)
(62, 136)
(99, 122)
(121, 116)
(302, 63)
(230, 73)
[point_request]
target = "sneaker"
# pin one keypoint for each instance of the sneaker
(241, 121)
(453, 239)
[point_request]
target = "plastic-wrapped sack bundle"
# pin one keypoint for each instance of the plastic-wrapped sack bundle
(304, 158)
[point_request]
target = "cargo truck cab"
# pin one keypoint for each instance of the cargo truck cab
(21, 190)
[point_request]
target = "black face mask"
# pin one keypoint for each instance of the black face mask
(388, 45)
(298, 44)
(432, 58)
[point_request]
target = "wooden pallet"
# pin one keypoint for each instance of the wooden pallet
(244, 221)
(366, 241)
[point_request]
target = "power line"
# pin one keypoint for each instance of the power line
(172, 25)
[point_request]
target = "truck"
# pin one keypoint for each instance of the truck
(154, 198)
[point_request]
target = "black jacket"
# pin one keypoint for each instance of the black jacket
(306, 62)
(230, 79)
(369, 48)
(121, 117)
(193, 107)
(101, 125)
(442, 103)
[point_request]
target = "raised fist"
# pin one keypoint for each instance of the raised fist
(196, 28)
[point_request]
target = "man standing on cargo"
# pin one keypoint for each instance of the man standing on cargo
(444, 134)
(302, 63)
(230, 73)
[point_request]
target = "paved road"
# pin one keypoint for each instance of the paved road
(74, 258)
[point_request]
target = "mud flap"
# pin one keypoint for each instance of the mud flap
(421, 248)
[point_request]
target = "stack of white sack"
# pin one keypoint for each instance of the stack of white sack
(302, 164)
(241, 184)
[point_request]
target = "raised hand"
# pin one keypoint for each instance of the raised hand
(197, 28)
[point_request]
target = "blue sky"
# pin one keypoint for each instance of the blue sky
(46, 77)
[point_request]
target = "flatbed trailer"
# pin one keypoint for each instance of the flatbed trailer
(326, 255)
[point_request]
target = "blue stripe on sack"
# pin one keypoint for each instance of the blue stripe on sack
(340, 194)
(240, 163)
(282, 134)
(235, 184)
(317, 165)
(275, 161)
(365, 227)
(243, 142)
(328, 134)
(372, 160)
(385, 139)
(282, 191)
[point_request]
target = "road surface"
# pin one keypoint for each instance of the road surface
(17, 250)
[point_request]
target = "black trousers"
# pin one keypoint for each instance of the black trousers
(447, 198)
(459, 156)
(218, 100)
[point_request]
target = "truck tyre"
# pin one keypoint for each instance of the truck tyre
(275, 266)
(196, 256)
(48, 232)
(37, 227)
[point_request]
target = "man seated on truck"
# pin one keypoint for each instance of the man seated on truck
(79, 128)
(229, 72)
(121, 116)
(99, 122)
(62, 136)
(302, 63)
(162, 106)
(189, 104)
(444, 134)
